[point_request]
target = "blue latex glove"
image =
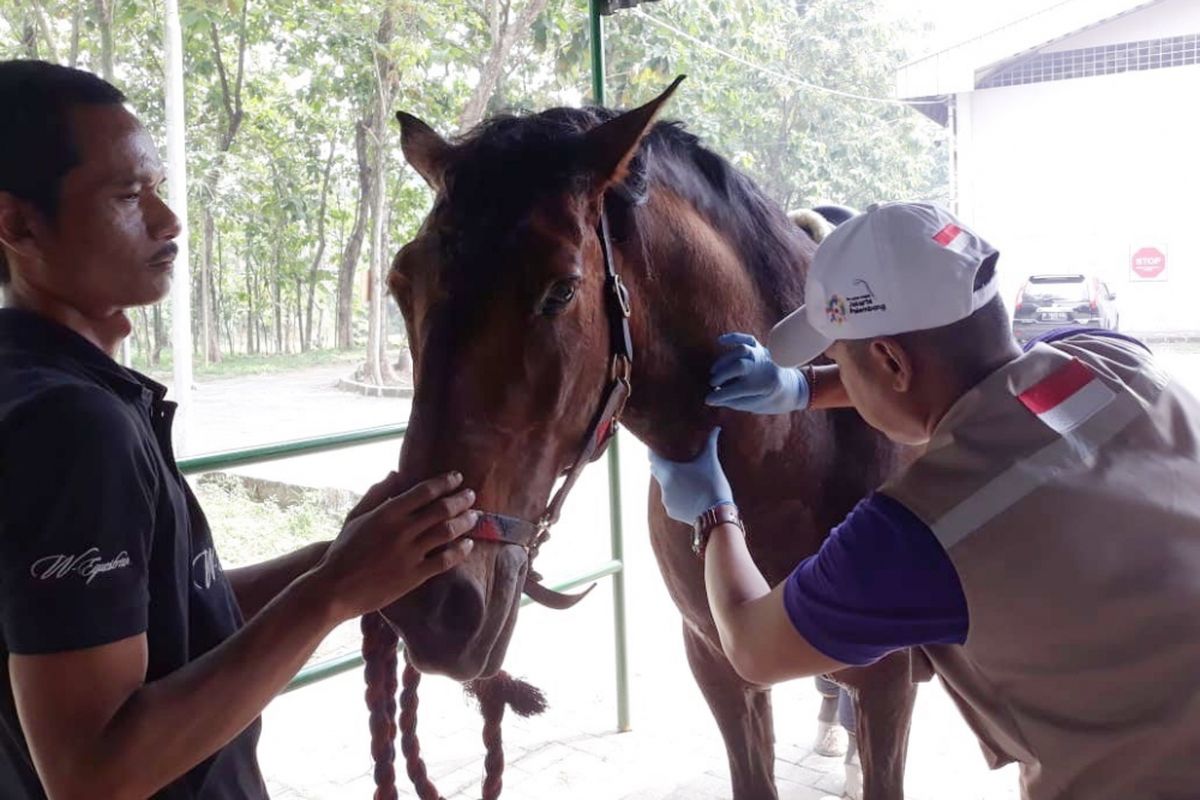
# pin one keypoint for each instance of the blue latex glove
(745, 378)
(693, 487)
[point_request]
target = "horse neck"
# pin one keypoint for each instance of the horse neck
(689, 284)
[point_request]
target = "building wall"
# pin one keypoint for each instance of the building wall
(1074, 175)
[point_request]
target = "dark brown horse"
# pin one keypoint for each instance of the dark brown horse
(503, 293)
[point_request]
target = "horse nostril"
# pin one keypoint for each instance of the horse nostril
(455, 607)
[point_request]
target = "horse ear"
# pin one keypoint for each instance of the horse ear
(611, 146)
(427, 152)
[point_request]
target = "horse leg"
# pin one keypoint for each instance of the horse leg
(742, 712)
(884, 694)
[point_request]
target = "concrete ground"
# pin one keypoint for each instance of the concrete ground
(315, 744)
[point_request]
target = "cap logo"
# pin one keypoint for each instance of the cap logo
(947, 234)
(864, 302)
(836, 309)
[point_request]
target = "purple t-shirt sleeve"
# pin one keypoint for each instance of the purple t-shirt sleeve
(881, 582)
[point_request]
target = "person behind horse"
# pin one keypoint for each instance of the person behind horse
(133, 665)
(1043, 550)
(836, 720)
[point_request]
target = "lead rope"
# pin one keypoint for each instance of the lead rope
(494, 695)
(410, 745)
(379, 653)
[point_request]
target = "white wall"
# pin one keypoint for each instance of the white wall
(1069, 175)
(1159, 21)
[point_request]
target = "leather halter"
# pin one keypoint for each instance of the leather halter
(530, 536)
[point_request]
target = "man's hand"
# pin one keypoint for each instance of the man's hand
(256, 585)
(388, 551)
(745, 378)
(691, 488)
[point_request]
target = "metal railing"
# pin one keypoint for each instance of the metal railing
(339, 441)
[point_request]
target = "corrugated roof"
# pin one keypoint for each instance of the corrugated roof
(954, 69)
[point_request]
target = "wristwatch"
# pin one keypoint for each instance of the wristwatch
(723, 514)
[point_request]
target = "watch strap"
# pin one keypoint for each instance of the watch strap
(722, 514)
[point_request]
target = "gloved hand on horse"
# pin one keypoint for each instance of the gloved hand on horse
(745, 378)
(689, 488)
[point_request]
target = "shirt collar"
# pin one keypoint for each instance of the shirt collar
(33, 333)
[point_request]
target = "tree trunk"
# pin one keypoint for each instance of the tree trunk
(47, 32)
(104, 16)
(29, 39)
(222, 319)
(76, 20)
(385, 82)
(314, 268)
(231, 97)
(301, 333)
(210, 344)
(276, 289)
(351, 253)
(141, 333)
(251, 347)
(374, 371)
(160, 336)
(505, 32)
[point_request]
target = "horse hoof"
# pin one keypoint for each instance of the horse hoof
(831, 740)
(853, 789)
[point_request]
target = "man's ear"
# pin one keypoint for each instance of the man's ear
(890, 358)
(16, 225)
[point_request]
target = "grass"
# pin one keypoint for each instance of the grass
(254, 520)
(238, 365)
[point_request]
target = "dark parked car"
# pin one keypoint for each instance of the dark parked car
(1049, 302)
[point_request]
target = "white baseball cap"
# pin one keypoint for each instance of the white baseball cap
(896, 268)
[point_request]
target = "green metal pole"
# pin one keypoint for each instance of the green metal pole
(344, 663)
(618, 555)
(597, 52)
(614, 451)
(299, 447)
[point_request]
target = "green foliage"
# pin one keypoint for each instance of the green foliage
(310, 75)
(257, 520)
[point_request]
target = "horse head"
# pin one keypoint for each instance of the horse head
(503, 293)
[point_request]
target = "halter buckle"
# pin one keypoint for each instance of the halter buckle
(621, 292)
(621, 371)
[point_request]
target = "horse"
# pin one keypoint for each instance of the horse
(546, 228)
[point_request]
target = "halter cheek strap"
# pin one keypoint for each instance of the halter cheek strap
(530, 536)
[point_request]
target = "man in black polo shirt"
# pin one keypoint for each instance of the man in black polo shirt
(131, 664)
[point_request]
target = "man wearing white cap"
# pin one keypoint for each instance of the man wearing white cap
(1043, 551)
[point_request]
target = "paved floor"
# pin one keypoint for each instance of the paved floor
(315, 746)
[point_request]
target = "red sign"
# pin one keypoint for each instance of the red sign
(1148, 263)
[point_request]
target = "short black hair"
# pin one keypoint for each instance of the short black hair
(37, 145)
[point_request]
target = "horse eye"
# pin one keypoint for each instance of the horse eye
(558, 298)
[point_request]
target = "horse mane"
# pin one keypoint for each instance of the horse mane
(509, 161)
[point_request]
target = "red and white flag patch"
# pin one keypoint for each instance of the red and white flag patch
(1067, 398)
(952, 237)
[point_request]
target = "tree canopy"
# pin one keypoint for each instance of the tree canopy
(298, 195)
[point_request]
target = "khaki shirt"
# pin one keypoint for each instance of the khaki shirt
(1066, 490)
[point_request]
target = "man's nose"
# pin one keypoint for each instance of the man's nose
(164, 225)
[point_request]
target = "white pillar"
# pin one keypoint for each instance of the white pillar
(964, 164)
(181, 287)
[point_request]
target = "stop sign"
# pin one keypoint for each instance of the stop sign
(1149, 262)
